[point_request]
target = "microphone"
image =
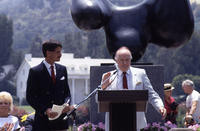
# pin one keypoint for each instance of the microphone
(71, 112)
(117, 68)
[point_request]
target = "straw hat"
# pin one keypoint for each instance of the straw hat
(168, 86)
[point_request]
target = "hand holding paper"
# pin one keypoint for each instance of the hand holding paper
(50, 113)
(59, 109)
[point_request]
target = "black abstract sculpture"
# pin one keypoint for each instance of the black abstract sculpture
(167, 23)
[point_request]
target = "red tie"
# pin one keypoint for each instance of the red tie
(53, 75)
(125, 86)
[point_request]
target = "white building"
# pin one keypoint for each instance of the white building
(78, 74)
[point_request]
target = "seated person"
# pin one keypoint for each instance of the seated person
(7, 121)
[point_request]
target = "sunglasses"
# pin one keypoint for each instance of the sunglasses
(5, 103)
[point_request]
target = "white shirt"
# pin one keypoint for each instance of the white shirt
(10, 119)
(48, 66)
(120, 79)
(194, 96)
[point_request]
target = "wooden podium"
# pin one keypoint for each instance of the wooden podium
(122, 105)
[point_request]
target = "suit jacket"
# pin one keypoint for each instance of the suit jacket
(41, 94)
(138, 81)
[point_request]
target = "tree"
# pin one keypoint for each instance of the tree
(74, 43)
(84, 44)
(6, 33)
(35, 4)
(36, 47)
(96, 46)
(7, 85)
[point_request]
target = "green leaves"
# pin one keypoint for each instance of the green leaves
(6, 33)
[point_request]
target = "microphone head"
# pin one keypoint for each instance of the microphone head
(65, 118)
(116, 66)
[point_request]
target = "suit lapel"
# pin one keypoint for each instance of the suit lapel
(58, 72)
(134, 77)
(45, 72)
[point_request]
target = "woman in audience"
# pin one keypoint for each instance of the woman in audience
(7, 121)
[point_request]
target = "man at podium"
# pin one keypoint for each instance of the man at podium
(130, 78)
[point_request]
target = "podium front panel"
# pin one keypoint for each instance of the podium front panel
(139, 97)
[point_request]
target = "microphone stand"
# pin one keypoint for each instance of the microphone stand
(93, 92)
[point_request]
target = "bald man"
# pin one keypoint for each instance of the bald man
(136, 80)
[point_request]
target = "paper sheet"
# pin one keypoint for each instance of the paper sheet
(58, 109)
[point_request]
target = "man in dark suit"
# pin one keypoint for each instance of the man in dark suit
(47, 84)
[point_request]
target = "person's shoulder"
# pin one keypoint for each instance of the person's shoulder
(37, 66)
(194, 92)
(59, 65)
(172, 98)
(13, 118)
(137, 69)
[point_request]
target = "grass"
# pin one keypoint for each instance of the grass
(28, 109)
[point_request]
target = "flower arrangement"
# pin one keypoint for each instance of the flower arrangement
(195, 127)
(91, 127)
(158, 127)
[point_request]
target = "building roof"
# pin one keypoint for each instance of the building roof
(74, 65)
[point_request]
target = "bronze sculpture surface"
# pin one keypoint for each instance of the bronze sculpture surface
(167, 23)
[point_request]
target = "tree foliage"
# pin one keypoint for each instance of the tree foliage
(97, 45)
(84, 44)
(6, 33)
(36, 47)
(177, 83)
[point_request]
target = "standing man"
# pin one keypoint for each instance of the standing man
(130, 78)
(47, 84)
(192, 103)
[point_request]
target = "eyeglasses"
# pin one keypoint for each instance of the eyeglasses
(5, 103)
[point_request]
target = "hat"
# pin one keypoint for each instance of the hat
(168, 87)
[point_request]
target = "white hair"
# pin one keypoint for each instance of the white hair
(122, 48)
(188, 83)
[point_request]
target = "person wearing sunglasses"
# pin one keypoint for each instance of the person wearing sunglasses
(7, 122)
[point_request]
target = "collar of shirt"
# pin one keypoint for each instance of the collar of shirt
(48, 66)
(119, 81)
(128, 72)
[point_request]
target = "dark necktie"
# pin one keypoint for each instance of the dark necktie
(53, 75)
(125, 86)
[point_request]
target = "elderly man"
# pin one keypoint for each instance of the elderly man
(192, 103)
(130, 78)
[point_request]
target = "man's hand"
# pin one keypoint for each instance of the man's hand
(163, 112)
(67, 108)
(50, 113)
(107, 82)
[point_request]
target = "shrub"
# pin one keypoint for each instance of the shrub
(158, 127)
(91, 127)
